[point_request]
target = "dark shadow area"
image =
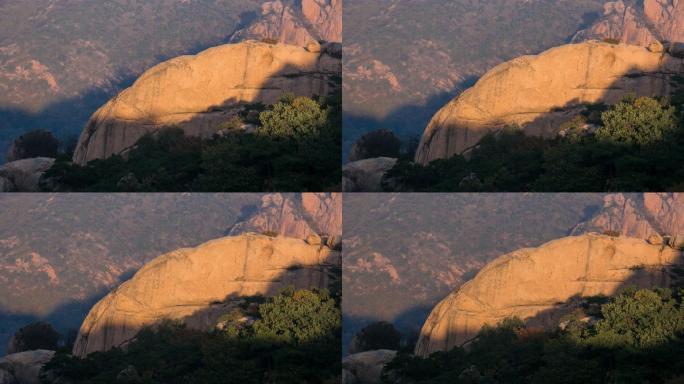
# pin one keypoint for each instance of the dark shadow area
(65, 318)
(407, 122)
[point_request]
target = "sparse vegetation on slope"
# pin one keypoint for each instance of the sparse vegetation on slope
(295, 148)
(637, 145)
(635, 337)
(294, 338)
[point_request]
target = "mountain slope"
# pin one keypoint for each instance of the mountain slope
(529, 284)
(197, 286)
(539, 93)
(405, 252)
(199, 93)
(404, 59)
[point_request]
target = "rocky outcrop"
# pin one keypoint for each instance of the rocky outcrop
(539, 285)
(197, 285)
(198, 93)
(325, 16)
(619, 22)
(25, 367)
(366, 367)
(366, 175)
(642, 215)
(295, 216)
(296, 23)
(24, 175)
(654, 22)
(539, 93)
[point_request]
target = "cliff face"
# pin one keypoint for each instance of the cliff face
(656, 20)
(539, 93)
(197, 93)
(641, 216)
(297, 23)
(195, 285)
(298, 217)
(535, 284)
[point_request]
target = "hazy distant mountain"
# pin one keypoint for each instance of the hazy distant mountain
(404, 59)
(60, 253)
(405, 252)
(62, 59)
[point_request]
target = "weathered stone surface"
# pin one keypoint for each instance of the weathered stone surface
(24, 175)
(533, 283)
(297, 23)
(619, 22)
(366, 367)
(366, 175)
(644, 215)
(656, 21)
(667, 17)
(312, 213)
(326, 18)
(198, 93)
(25, 366)
(539, 93)
(196, 284)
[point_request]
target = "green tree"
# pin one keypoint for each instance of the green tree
(298, 317)
(378, 335)
(640, 121)
(293, 117)
(640, 318)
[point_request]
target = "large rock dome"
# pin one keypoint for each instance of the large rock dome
(538, 285)
(539, 93)
(197, 93)
(193, 285)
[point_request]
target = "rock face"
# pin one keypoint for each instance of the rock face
(366, 175)
(657, 21)
(25, 367)
(642, 216)
(539, 93)
(366, 367)
(299, 23)
(533, 284)
(24, 175)
(193, 285)
(298, 217)
(198, 93)
(326, 18)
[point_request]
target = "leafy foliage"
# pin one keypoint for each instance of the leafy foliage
(36, 143)
(297, 148)
(38, 335)
(641, 121)
(638, 339)
(638, 147)
(295, 340)
(378, 335)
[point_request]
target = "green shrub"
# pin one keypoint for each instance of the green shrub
(638, 121)
(378, 335)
